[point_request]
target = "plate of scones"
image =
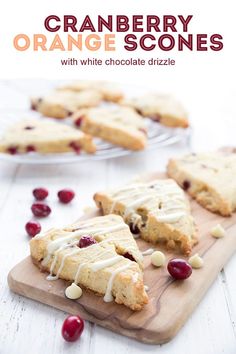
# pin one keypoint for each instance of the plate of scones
(91, 120)
(141, 260)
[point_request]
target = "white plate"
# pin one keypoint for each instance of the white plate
(158, 135)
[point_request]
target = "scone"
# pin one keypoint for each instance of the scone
(209, 178)
(119, 125)
(61, 104)
(109, 90)
(158, 211)
(44, 136)
(106, 261)
(161, 108)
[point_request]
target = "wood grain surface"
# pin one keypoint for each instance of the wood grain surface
(170, 302)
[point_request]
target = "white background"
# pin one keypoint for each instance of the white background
(204, 81)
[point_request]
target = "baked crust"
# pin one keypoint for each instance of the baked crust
(208, 178)
(161, 108)
(110, 91)
(61, 104)
(127, 287)
(120, 126)
(146, 212)
(44, 136)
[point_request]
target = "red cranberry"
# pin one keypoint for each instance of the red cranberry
(33, 228)
(86, 241)
(66, 195)
(134, 229)
(33, 106)
(186, 185)
(30, 148)
(40, 210)
(12, 150)
(179, 268)
(40, 193)
(72, 328)
(157, 118)
(129, 256)
(76, 147)
(78, 121)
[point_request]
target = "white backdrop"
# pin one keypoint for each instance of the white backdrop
(203, 81)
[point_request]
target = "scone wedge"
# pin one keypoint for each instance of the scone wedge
(158, 211)
(164, 109)
(111, 266)
(209, 178)
(62, 104)
(44, 136)
(119, 125)
(110, 91)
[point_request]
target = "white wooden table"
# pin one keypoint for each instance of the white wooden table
(27, 326)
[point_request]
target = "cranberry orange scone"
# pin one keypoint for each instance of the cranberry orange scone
(99, 254)
(109, 90)
(209, 178)
(161, 108)
(61, 104)
(158, 211)
(44, 136)
(118, 125)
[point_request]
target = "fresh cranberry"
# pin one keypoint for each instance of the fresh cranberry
(78, 121)
(66, 195)
(157, 118)
(72, 328)
(86, 241)
(134, 229)
(129, 256)
(12, 150)
(32, 228)
(179, 268)
(40, 210)
(40, 193)
(33, 106)
(76, 147)
(186, 185)
(30, 148)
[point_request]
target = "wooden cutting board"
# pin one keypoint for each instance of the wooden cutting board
(171, 302)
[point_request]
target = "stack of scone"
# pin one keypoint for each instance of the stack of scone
(121, 121)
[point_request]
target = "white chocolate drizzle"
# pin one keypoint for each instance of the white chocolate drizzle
(105, 263)
(55, 244)
(108, 295)
(172, 205)
(135, 277)
(148, 252)
(70, 239)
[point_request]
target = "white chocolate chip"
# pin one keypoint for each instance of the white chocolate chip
(196, 261)
(217, 231)
(158, 258)
(88, 209)
(73, 292)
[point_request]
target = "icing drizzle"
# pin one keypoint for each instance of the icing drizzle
(70, 240)
(172, 205)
